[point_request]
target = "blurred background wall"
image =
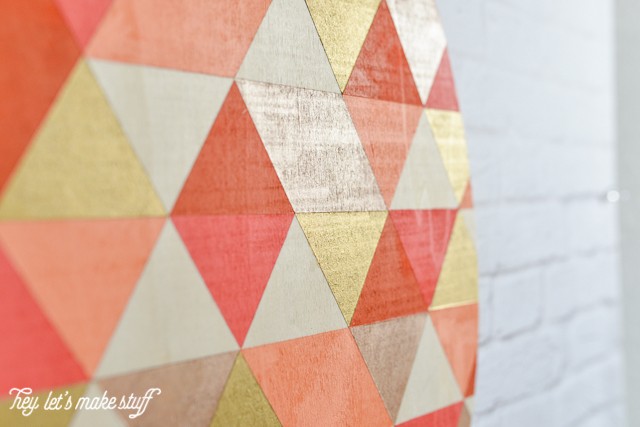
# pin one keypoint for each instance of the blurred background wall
(628, 127)
(537, 92)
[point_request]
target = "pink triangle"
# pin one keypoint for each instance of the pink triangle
(381, 70)
(235, 255)
(83, 16)
(443, 92)
(386, 130)
(425, 236)
(33, 353)
(81, 273)
(448, 416)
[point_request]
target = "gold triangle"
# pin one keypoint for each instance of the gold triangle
(40, 416)
(80, 163)
(243, 403)
(458, 281)
(344, 244)
(343, 26)
(448, 131)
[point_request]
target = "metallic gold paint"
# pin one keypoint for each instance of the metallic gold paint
(38, 52)
(344, 244)
(243, 402)
(425, 236)
(337, 161)
(381, 70)
(343, 26)
(448, 131)
(80, 164)
(287, 50)
(458, 281)
(40, 417)
(391, 289)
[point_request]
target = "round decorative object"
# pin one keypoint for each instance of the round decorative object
(261, 208)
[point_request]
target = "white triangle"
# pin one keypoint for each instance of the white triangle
(297, 301)
(431, 384)
(171, 316)
(96, 417)
(287, 50)
(166, 114)
(422, 36)
(314, 147)
(424, 182)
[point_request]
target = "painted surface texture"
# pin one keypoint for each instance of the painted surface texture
(261, 207)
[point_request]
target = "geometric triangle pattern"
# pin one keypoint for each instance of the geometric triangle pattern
(39, 358)
(389, 349)
(344, 244)
(325, 375)
(457, 284)
(235, 255)
(390, 289)
(198, 36)
(456, 329)
(422, 36)
(243, 402)
(386, 130)
(166, 115)
(169, 300)
(83, 17)
(27, 91)
(233, 173)
(190, 391)
(424, 181)
(80, 270)
(342, 27)
(450, 416)
(448, 131)
(443, 92)
(297, 301)
(103, 177)
(87, 417)
(431, 385)
(381, 70)
(262, 208)
(286, 50)
(425, 236)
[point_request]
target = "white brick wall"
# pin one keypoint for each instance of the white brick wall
(535, 82)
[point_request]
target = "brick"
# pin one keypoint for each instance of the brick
(517, 302)
(591, 334)
(519, 367)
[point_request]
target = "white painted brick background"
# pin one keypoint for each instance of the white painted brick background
(535, 82)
